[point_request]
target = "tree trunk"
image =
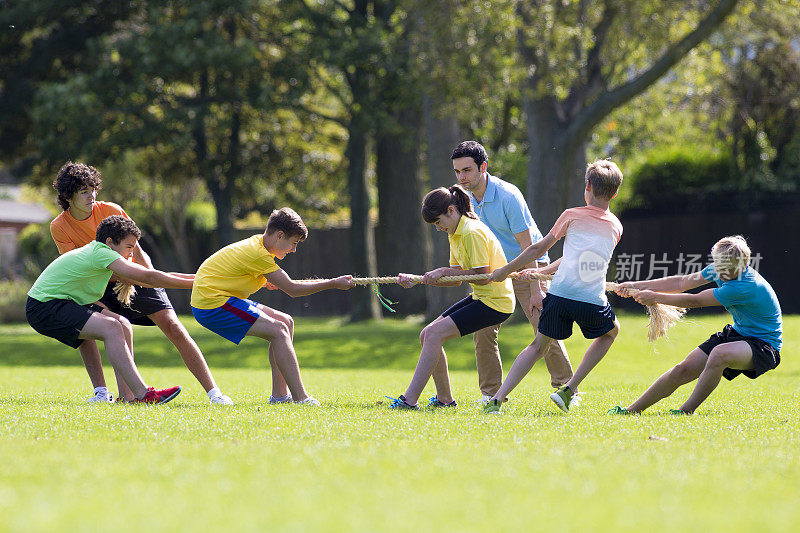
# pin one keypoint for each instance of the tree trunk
(401, 234)
(555, 166)
(362, 244)
(441, 136)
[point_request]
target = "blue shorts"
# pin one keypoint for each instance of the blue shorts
(470, 315)
(559, 313)
(232, 320)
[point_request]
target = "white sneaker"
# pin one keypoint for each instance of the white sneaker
(309, 401)
(221, 400)
(483, 400)
(101, 397)
(281, 399)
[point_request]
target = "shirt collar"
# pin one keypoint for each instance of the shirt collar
(460, 227)
(490, 192)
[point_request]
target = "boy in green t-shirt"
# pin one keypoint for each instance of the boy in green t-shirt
(62, 302)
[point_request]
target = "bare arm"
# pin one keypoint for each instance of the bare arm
(148, 277)
(684, 299)
(281, 280)
(531, 253)
(551, 268)
(140, 257)
(671, 284)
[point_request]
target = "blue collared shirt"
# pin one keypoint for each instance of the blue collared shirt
(505, 211)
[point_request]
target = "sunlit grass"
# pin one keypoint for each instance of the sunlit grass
(353, 465)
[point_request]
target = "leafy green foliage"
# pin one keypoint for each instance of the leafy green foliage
(681, 178)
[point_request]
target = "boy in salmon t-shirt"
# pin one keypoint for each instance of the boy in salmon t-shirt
(77, 185)
(577, 292)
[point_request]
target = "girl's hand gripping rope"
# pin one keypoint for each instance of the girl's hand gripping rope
(407, 280)
(499, 275)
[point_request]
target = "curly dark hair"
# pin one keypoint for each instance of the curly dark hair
(72, 178)
(117, 227)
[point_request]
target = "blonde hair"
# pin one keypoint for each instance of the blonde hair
(605, 177)
(731, 253)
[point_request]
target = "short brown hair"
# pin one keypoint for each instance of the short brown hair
(72, 178)
(288, 221)
(605, 177)
(117, 227)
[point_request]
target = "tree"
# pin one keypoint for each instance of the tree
(581, 63)
(43, 41)
(207, 81)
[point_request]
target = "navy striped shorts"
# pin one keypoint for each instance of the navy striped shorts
(559, 313)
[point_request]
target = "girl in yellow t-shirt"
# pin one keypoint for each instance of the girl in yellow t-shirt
(474, 249)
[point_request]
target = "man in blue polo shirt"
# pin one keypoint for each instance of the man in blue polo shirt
(501, 206)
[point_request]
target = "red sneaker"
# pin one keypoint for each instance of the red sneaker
(154, 396)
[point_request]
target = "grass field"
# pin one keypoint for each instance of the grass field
(353, 465)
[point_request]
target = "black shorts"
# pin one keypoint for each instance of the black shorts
(559, 313)
(470, 315)
(62, 320)
(146, 302)
(765, 356)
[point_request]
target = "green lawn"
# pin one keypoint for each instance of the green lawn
(353, 465)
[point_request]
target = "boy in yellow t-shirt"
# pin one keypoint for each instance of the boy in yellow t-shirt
(474, 249)
(226, 279)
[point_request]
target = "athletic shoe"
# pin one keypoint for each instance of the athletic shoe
(221, 400)
(617, 410)
(492, 407)
(678, 412)
(281, 399)
(158, 396)
(434, 403)
(101, 397)
(401, 404)
(309, 401)
(484, 399)
(562, 398)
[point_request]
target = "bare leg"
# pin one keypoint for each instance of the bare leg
(125, 392)
(93, 363)
(736, 355)
(279, 387)
(555, 358)
(684, 372)
(523, 364)
(432, 337)
(110, 328)
(441, 378)
(168, 322)
(594, 354)
(279, 336)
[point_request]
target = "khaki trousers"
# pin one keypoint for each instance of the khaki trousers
(487, 351)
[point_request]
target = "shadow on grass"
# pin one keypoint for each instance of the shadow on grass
(319, 343)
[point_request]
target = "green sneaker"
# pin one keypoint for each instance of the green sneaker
(562, 398)
(617, 410)
(678, 412)
(492, 407)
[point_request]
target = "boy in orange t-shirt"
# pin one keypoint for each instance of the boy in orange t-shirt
(77, 185)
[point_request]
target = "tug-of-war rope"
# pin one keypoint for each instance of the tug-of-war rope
(662, 316)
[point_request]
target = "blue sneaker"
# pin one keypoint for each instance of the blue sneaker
(435, 403)
(401, 404)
